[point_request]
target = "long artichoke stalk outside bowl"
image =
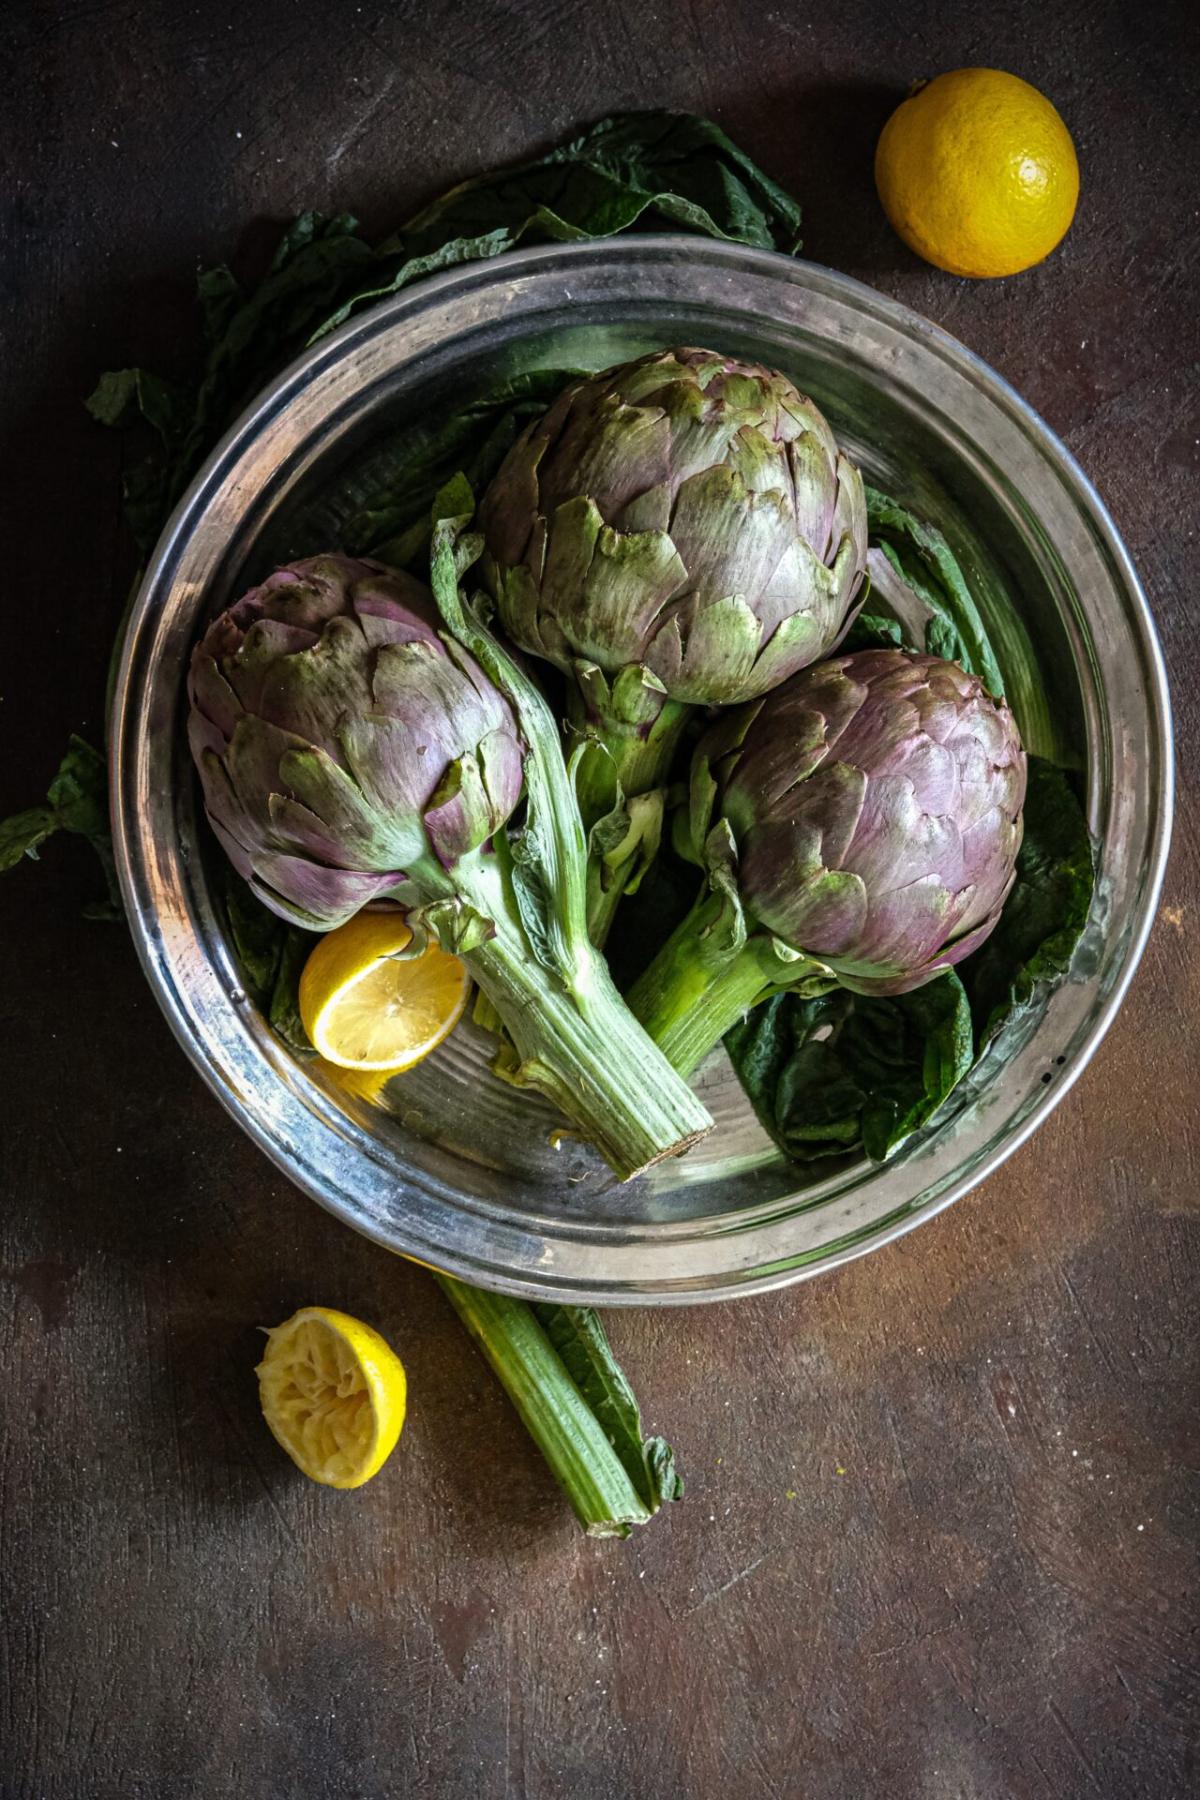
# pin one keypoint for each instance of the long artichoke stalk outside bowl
(860, 826)
(678, 532)
(348, 751)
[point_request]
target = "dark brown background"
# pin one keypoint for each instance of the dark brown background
(938, 1536)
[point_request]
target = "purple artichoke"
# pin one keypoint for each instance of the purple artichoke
(875, 803)
(687, 514)
(340, 742)
(868, 818)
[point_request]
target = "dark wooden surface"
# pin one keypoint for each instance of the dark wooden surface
(939, 1534)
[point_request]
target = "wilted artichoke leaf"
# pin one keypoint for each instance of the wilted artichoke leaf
(623, 843)
(520, 853)
(458, 927)
(547, 860)
(829, 1074)
(726, 932)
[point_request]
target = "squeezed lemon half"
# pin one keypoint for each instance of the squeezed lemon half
(334, 1394)
(365, 1006)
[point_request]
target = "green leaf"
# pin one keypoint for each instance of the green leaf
(827, 1075)
(124, 395)
(105, 912)
(604, 180)
(21, 834)
(79, 792)
(874, 631)
(383, 506)
(1045, 915)
(580, 1339)
(218, 296)
(679, 168)
(921, 557)
(970, 620)
(79, 796)
(675, 165)
(76, 801)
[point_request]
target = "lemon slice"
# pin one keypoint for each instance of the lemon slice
(365, 1009)
(333, 1393)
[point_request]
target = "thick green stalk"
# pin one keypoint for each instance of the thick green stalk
(551, 1408)
(637, 755)
(630, 732)
(576, 1040)
(689, 997)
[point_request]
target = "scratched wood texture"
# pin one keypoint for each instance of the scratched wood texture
(939, 1534)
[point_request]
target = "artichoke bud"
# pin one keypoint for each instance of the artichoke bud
(689, 514)
(875, 803)
(341, 744)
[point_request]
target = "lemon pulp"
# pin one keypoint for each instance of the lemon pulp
(333, 1393)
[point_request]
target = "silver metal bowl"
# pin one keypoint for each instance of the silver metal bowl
(446, 1164)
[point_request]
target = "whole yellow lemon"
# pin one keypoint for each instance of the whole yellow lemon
(977, 173)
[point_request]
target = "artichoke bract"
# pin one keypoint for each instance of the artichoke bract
(348, 750)
(680, 531)
(867, 823)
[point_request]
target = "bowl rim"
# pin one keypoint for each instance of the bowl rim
(127, 732)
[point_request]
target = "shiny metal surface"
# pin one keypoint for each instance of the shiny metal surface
(445, 1163)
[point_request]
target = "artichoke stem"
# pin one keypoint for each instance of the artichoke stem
(638, 756)
(688, 998)
(575, 1039)
(553, 1411)
(590, 1057)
